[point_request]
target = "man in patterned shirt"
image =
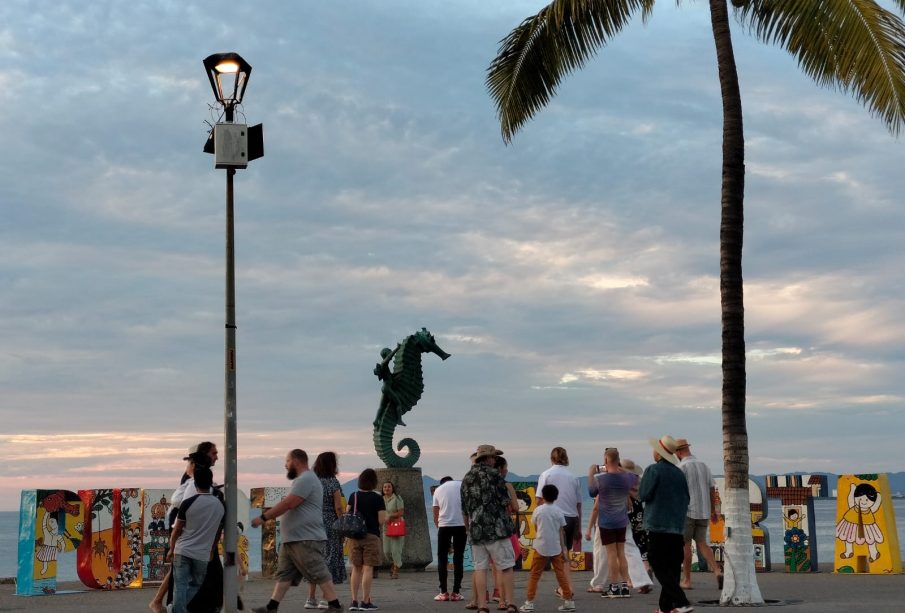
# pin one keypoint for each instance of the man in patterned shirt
(486, 510)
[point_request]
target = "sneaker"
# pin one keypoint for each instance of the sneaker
(528, 607)
(311, 603)
(323, 604)
(442, 597)
(368, 606)
(567, 605)
(624, 592)
(612, 592)
(496, 596)
(456, 597)
(354, 606)
(336, 609)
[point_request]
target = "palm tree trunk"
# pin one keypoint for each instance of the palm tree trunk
(740, 584)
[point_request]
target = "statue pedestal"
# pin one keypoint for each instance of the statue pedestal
(416, 552)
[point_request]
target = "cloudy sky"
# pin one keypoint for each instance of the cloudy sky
(573, 275)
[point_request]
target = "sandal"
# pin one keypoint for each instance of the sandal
(473, 606)
(502, 606)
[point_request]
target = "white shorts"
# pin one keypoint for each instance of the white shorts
(499, 551)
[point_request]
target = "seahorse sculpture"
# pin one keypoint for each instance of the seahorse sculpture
(402, 389)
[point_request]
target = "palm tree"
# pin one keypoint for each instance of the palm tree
(852, 45)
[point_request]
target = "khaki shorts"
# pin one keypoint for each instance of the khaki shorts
(499, 551)
(697, 530)
(366, 551)
(303, 560)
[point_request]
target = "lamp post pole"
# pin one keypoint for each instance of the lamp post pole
(230, 578)
(228, 75)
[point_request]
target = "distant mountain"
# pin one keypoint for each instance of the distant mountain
(896, 482)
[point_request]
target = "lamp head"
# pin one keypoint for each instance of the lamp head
(228, 74)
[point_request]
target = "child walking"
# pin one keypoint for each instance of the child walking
(549, 544)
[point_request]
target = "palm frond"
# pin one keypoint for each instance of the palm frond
(535, 56)
(853, 45)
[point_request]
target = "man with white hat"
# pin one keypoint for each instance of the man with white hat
(701, 509)
(664, 492)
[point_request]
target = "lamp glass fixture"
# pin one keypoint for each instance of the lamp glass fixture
(228, 74)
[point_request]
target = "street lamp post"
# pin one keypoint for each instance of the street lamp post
(228, 74)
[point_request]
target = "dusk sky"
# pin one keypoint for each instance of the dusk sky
(572, 275)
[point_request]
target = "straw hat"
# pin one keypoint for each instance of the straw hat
(682, 443)
(630, 466)
(665, 446)
(484, 451)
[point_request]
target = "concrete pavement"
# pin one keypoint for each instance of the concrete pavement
(414, 591)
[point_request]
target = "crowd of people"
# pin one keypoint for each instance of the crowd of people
(642, 523)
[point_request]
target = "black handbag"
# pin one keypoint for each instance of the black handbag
(351, 525)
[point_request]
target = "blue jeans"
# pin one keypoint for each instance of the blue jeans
(188, 575)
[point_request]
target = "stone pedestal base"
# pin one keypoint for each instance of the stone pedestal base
(416, 553)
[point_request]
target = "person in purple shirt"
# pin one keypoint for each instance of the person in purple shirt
(612, 486)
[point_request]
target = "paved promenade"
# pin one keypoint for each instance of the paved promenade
(414, 591)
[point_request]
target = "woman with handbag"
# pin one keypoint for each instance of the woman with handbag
(364, 552)
(326, 468)
(394, 529)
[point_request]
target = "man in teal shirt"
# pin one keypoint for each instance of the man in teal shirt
(664, 493)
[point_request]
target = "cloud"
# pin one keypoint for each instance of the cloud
(573, 275)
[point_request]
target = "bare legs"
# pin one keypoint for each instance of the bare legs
(707, 553)
(362, 577)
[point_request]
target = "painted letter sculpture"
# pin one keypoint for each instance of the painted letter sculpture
(867, 540)
(402, 389)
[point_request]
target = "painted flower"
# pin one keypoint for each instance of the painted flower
(796, 538)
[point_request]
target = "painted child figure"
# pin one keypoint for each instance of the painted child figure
(52, 542)
(549, 544)
(858, 525)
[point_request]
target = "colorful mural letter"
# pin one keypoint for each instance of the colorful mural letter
(264, 498)
(110, 556)
(866, 538)
(760, 536)
(50, 522)
(525, 492)
(155, 507)
(796, 494)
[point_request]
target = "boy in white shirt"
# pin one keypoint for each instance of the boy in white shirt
(549, 544)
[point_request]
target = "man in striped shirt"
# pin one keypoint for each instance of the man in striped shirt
(701, 509)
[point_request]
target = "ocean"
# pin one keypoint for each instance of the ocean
(824, 511)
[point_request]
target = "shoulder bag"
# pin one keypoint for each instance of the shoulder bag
(351, 525)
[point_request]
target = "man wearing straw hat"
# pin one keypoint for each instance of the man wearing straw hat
(485, 507)
(701, 510)
(664, 492)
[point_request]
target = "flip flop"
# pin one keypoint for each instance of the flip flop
(473, 606)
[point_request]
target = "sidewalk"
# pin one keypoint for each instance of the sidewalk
(414, 591)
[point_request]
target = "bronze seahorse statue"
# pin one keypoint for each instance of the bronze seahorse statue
(402, 389)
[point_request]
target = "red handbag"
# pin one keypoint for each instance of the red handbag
(395, 527)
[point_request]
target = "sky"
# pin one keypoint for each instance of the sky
(573, 274)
